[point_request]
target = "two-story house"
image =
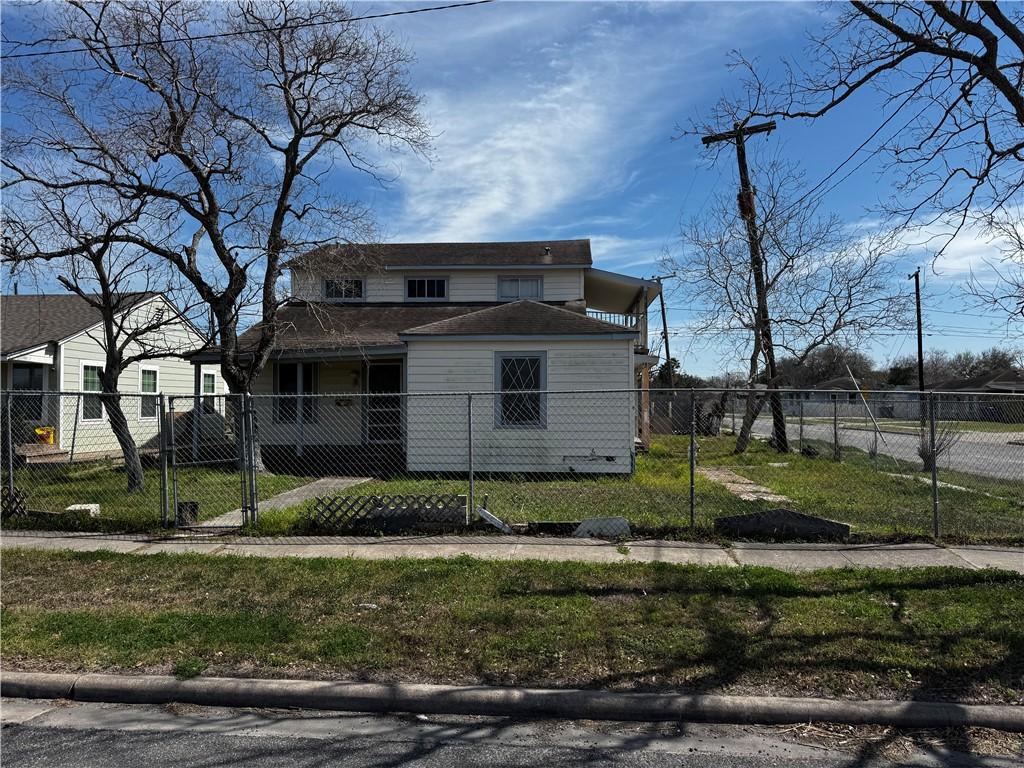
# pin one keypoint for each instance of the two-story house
(427, 319)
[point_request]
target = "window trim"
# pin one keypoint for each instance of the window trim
(142, 395)
(211, 404)
(333, 300)
(82, 365)
(500, 356)
(519, 296)
(447, 288)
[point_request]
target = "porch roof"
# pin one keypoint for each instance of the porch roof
(520, 318)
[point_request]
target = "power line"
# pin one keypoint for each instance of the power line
(214, 35)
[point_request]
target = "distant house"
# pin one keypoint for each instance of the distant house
(53, 343)
(988, 397)
(440, 320)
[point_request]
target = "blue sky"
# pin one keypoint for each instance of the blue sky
(555, 120)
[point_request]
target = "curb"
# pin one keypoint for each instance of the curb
(506, 702)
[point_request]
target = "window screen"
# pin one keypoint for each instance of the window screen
(293, 381)
(520, 381)
(520, 288)
(349, 289)
(148, 387)
(92, 406)
(30, 378)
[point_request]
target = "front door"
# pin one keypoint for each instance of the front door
(384, 404)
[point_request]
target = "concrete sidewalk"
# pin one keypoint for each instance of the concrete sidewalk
(787, 557)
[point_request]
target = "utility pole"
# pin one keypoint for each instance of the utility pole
(664, 335)
(916, 277)
(762, 322)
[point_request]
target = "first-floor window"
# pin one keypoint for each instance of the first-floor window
(521, 378)
(209, 390)
(295, 380)
(27, 378)
(149, 379)
(347, 289)
(92, 406)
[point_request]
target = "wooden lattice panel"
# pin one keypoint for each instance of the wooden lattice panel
(12, 504)
(390, 514)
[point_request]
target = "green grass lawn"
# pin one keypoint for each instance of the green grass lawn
(922, 633)
(656, 497)
(52, 488)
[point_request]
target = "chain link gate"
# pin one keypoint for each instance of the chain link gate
(208, 465)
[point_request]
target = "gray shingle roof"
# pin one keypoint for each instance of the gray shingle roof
(31, 320)
(519, 318)
(527, 253)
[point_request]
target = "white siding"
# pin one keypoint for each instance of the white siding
(338, 420)
(587, 433)
(468, 285)
(176, 377)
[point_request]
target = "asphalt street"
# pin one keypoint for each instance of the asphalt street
(39, 733)
(983, 453)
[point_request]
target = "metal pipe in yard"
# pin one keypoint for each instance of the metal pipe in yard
(470, 508)
(801, 422)
(74, 432)
(173, 457)
(693, 458)
(935, 465)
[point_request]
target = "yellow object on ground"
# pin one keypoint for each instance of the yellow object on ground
(45, 435)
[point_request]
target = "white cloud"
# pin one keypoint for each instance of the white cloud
(553, 114)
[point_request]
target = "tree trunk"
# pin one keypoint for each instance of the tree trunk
(780, 440)
(753, 409)
(119, 424)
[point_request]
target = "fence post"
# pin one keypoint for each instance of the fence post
(800, 433)
(243, 458)
(254, 495)
(172, 455)
(162, 443)
(693, 458)
(9, 441)
(733, 409)
(935, 464)
(470, 508)
(836, 451)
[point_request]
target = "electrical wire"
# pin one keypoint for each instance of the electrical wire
(236, 33)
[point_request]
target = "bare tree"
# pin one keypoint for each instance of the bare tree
(952, 78)
(228, 121)
(75, 239)
(824, 284)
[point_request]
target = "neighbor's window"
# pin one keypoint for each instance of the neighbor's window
(209, 390)
(349, 289)
(521, 378)
(512, 288)
(28, 378)
(92, 406)
(293, 381)
(148, 384)
(425, 288)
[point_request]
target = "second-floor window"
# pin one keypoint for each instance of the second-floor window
(347, 289)
(514, 288)
(426, 288)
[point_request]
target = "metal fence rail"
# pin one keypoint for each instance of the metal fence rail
(671, 462)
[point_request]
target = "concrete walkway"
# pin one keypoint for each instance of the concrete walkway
(324, 485)
(787, 557)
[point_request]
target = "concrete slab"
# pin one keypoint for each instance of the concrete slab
(201, 547)
(649, 552)
(280, 550)
(790, 557)
(78, 544)
(904, 556)
(321, 487)
(15, 711)
(1007, 558)
(606, 553)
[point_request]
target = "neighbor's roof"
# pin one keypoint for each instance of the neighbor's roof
(1006, 380)
(391, 255)
(31, 320)
(520, 318)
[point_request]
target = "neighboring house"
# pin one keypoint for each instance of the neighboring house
(994, 396)
(53, 344)
(434, 318)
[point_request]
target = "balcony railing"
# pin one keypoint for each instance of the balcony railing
(629, 320)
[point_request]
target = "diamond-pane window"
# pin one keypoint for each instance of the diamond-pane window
(520, 379)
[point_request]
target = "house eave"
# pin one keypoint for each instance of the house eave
(630, 336)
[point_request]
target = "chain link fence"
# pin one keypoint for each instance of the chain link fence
(670, 462)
